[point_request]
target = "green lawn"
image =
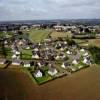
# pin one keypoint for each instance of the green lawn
(43, 79)
(8, 53)
(26, 54)
(38, 35)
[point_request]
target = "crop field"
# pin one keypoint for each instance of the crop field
(38, 35)
(55, 34)
(87, 42)
(83, 85)
(17, 83)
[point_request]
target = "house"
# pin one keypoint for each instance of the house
(16, 62)
(74, 62)
(35, 56)
(36, 26)
(58, 28)
(27, 64)
(17, 53)
(68, 52)
(61, 49)
(41, 63)
(23, 27)
(27, 47)
(38, 73)
(65, 42)
(85, 54)
(86, 61)
(2, 61)
(64, 65)
(14, 56)
(52, 70)
(57, 57)
(36, 49)
(82, 50)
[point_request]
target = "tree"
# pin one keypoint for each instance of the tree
(3, 50)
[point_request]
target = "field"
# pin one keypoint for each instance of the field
(82, 85)
(16, 84)
(87, 42)
(55, 34)
(38, 35)
(95, 42)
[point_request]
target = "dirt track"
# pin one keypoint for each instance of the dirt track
(82, 85)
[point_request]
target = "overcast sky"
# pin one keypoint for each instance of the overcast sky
(48, 9)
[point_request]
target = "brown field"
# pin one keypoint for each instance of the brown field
(95, 42)
(55, 34)
(82, 85)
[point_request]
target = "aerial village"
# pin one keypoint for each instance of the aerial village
(45, 57)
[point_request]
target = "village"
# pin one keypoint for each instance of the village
(49, 54)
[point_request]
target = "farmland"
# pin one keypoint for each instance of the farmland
(55, 34)
(17, 83)
(22, 88)
(38, 35)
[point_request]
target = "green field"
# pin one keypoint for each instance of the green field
(26, 54)
(38, 35)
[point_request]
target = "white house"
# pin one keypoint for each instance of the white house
(16, 62)
(35, 56)
(65, 42)
(2, 61)
(86, 61)
(52, 71)
(63, 65)
(14, 56)
(27, 47)
(36, 49)
(27, 64)
(38, 73)
(74, 62)
(85, 54)
(82, 50)
(61, 49)
(17, 53)
(39, 64)
(68, 52)
(57, 57)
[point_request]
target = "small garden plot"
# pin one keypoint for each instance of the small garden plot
(26, 54)
(29, 69)
(45, 78)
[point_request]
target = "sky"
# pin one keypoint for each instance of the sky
(49, 9)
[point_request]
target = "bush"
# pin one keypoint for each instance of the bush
(95, 51)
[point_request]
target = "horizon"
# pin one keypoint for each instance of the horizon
(21, 20)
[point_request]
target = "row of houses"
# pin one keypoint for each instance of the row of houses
(78, 29)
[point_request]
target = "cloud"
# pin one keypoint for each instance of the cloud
(48, 9)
